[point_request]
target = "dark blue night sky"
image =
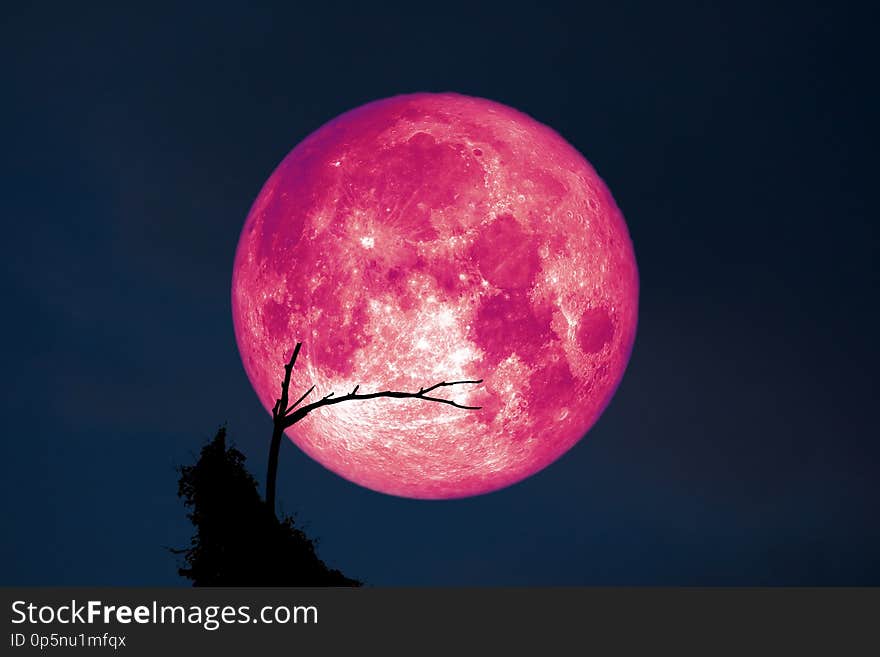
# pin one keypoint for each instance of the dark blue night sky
(739, 141)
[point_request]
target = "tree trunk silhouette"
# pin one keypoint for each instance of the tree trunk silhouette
(284, 416)
(278, 429)
(271, 475)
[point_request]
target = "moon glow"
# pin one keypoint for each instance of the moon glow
(434, 237)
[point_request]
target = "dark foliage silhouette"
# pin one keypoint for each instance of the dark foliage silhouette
(238, 540)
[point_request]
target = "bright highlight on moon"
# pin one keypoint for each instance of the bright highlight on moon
(436, 237)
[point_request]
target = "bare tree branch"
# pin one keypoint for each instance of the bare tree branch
(298, 415)
(284, 416)
(281, 404)
(298, 401)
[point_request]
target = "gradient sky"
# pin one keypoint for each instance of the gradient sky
(739, 142)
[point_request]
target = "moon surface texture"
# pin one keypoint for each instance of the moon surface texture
(437, 237)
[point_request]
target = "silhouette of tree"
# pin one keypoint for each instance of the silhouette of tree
(284, 416)
(238, 539)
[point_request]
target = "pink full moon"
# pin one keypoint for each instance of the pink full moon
(437, 237)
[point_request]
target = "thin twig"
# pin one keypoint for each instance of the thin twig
(299, 401)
